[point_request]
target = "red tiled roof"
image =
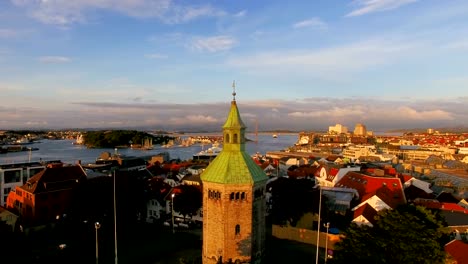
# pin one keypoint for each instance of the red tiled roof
(367, 211)
(434, 204)
(390, 190)
(457, 249)
(54, 178)
(405, 177)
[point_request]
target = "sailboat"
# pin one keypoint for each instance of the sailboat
(79, 140)
(147, 144)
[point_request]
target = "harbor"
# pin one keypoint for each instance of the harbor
(68, 152)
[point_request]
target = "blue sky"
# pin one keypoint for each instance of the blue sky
(167, 64)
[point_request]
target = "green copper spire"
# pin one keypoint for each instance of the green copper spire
(233, 165)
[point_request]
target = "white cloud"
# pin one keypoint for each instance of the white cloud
(54, 59)
(213, 44)
(412, 114)
(313, 113)
(313, 22)
(372, 6)
(66, 12)
(7, 33)
(156, 56)
(181, 14)
(241, 13)
(192, 119)
(332, 60)
(458, 45)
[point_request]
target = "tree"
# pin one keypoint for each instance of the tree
(188, 201)
(291, 199)
(408, 234)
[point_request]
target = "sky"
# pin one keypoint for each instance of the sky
(169, 64)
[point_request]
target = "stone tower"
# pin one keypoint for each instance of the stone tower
(233, 200)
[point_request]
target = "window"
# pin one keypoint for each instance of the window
(231, 197)
(227, 138)
(243, 196)
(235, 138)
(12, 176)
(237, 230)
(237, 196)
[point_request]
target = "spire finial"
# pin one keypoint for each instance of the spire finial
(234, 90)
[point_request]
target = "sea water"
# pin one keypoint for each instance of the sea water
(68, 152)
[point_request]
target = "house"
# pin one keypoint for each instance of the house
(329, 175)
(378, 192)
(8, 218)
(14, 175)
(157, 190)
(457, 250)
(192, 179)
(270, 169)
(48, 194)
(339, 200)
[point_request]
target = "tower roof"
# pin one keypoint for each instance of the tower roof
(233, 165)
(234, 120)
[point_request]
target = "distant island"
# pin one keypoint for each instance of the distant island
(121, 138)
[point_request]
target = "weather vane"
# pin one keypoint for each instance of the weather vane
(234, 90)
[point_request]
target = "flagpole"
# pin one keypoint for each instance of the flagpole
(318, 226)
(115, 223)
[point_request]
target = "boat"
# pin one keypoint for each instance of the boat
(148, 144)
(208, 154)
(275, 136)
(79, 140)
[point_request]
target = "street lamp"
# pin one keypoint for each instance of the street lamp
(327, 225)
(97, 225)
(318, 225)
(172, 211)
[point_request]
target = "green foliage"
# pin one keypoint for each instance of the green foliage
(113, 138)
(408, 234)
(291, 199)
(188, 201)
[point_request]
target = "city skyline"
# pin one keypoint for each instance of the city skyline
(167, 64)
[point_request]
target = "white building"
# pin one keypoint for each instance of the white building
(337, 129)
(13, 175)
(353, 152)
(360, 130)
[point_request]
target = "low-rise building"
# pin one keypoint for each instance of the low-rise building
(47, 194)
(14, 175)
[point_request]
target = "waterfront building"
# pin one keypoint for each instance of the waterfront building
(233, 201)
(14, 175)
(337, 129)
(360, 130)
(354, 152)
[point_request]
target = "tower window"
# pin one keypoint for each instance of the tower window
(237, 196)
(235, 138)
(243, 196)
(227, 138)
(237, 230)
(231, 197)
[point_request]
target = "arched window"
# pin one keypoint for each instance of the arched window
(243, 196)
(235, 138)
(231, 196)
(227, 138)
(237, 196)
(237, 229)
